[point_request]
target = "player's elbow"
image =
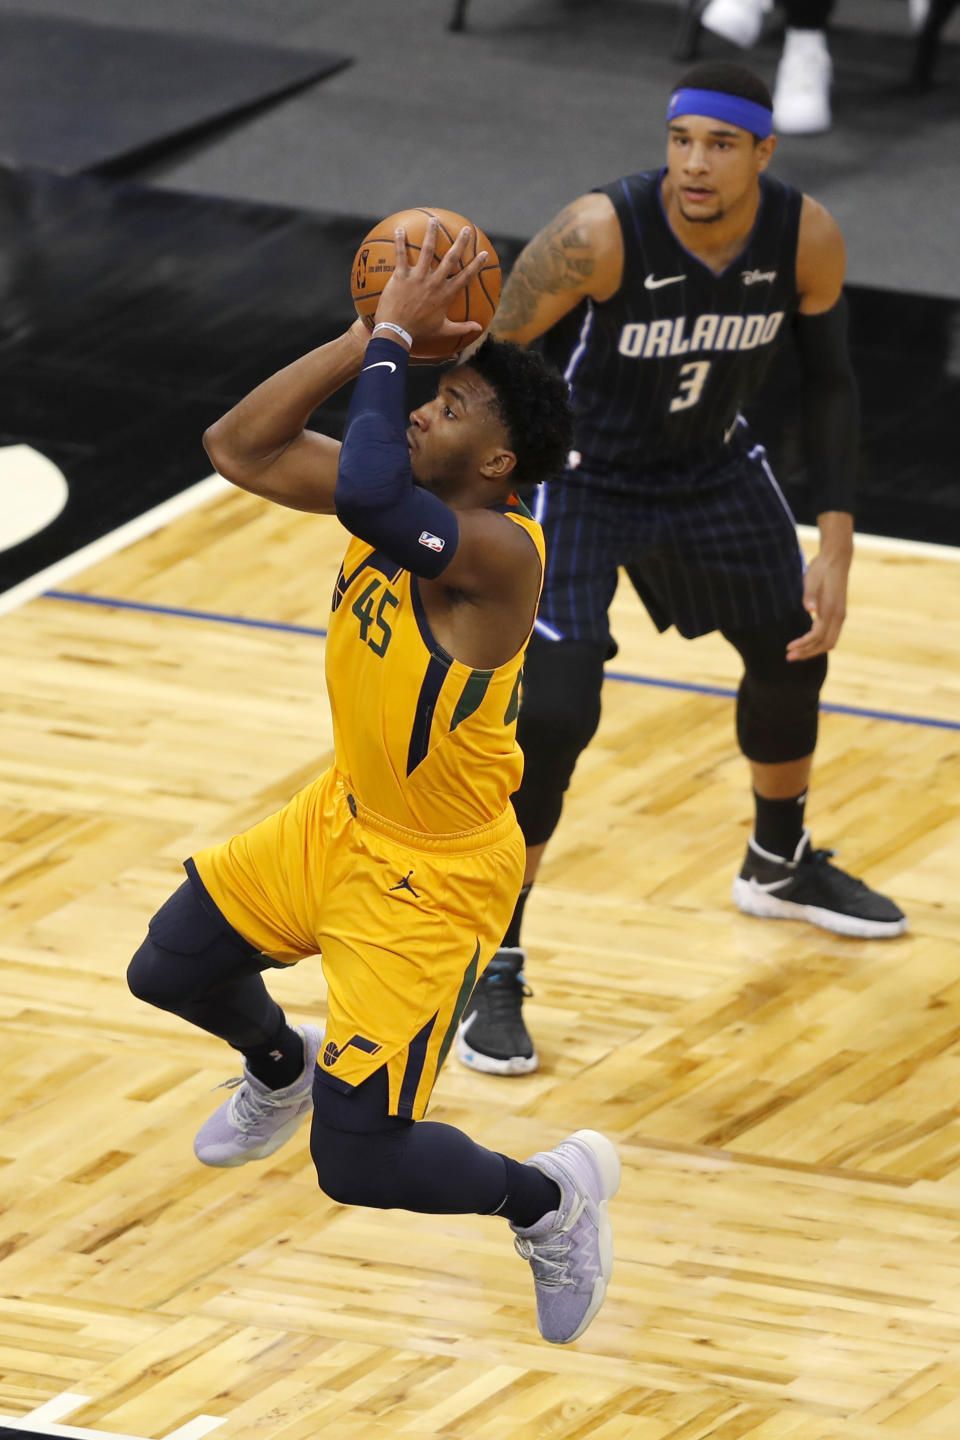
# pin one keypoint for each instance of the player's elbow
(218, 451)
(228, 462)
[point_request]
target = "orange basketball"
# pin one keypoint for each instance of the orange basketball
(373, 266)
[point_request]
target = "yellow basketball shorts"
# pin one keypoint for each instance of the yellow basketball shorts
(404, 921)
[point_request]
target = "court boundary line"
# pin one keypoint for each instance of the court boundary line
(105, 545)
(623, 676)
(42, 1421)
(214, 485)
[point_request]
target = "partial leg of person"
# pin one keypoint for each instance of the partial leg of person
(399, 972)
(801, 92)
(556, 1202)
(559, 713)
(195, 965)
(782, 876)
(729, 560)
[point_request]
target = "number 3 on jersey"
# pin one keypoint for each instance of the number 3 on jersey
(362, 607)
(692, 377)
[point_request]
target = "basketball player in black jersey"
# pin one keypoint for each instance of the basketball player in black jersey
(690, 275)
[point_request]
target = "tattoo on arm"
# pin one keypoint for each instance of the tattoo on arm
(558, 259)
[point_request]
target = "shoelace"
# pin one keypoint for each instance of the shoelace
(550, 1259)
(246, 1108)
(822, 859)
(504, 990)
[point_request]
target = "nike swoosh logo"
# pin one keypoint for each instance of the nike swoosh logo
(651, 284)
(389, 364)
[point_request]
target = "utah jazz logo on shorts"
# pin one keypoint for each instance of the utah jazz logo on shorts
(332, 1051)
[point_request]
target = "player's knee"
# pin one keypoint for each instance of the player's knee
(356, 1146)
(560, 703)
(341, 1173)
(160, 978)
(353, 1167)
(559, 713)
(778, 714)
(185, 953)
(145, 975)
(153, 974)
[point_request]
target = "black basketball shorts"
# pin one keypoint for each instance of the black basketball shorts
(715, 554)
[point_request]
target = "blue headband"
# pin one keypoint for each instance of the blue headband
(744, 113)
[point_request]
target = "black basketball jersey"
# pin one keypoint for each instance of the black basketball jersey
(659, 371)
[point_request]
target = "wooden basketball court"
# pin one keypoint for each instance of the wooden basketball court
(786, 1103)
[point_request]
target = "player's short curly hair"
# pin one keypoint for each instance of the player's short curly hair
(729, 79)
(533, 402)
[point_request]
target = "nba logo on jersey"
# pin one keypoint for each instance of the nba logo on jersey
(432, 542)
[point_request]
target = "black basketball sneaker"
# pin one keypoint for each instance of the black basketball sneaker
(809, 888)
(492, 1036)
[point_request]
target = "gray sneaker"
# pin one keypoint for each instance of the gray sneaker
(571, 1249)
(256, 1120)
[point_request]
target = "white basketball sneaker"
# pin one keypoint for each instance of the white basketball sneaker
(918, 11)
(801, 93)
(739, 21)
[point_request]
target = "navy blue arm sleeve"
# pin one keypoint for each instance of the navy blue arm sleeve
(831, 408)
(376, 497)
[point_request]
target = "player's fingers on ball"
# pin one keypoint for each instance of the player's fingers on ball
(468, 273)
(469, 329)
(428, 245)
(400, 265)
(460, 243)
(450, 266)
(476, 264)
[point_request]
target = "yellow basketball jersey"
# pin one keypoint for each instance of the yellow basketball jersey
(420, 738)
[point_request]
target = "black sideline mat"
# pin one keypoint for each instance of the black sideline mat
(132, 318)
(75, 96)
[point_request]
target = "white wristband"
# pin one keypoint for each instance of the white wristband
(397, 330)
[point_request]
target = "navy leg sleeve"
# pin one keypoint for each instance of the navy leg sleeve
(195, 965)
(364, 1156)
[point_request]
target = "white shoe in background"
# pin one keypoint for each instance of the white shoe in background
(919, 10)
(801, 94)
(739, 21)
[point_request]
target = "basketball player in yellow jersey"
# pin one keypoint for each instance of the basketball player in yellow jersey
(402, 863)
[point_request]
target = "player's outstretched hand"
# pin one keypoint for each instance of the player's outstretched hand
(418, 297)
(825, 597)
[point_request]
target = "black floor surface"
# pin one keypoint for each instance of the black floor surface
(131, 318)
(76, 96)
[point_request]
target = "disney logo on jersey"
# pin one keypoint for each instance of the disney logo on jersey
(754, 277)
